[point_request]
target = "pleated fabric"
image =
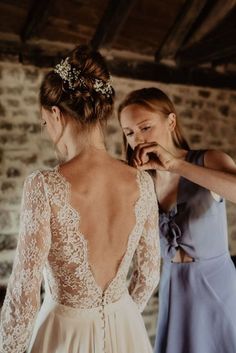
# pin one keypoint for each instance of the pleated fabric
(114, 328)
(199, 297)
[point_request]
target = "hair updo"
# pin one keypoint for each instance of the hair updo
(83, 101)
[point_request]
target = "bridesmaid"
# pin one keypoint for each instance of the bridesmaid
(198, 285)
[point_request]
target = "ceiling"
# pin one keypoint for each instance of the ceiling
(175, 41)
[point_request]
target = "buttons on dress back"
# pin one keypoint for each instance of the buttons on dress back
(102, 314)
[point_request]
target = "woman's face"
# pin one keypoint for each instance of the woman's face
(141, 125)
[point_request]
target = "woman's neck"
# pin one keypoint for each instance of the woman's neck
(85, 143)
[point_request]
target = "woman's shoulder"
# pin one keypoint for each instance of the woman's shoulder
(220, 160)
(144, 176)
(124, 168)
(40, 175)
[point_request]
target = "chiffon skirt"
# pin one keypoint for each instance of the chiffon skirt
(197, 311)
(114, 328)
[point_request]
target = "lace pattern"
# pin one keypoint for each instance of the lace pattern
(49, 242)
(23, 293)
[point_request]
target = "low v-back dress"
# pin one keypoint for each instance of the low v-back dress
(76, 316)
(197, 311)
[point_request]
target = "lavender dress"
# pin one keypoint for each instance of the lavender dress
(197, 311)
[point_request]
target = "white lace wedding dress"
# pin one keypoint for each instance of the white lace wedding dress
(77, 316)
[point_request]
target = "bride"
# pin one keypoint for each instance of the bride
(82, 224)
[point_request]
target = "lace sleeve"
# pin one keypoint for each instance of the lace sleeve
(146, 261)
(23, 293)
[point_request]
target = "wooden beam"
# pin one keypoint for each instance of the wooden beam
(111, 23)
(151, 71)
(219, 10)
(36, 19)
(184, 22)
(132, 69)
(27, 54)
(215, 48)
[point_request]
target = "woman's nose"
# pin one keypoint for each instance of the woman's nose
(138, 138)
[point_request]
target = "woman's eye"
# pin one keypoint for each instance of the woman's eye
(146, 128)
(43, 123)
(129, 134)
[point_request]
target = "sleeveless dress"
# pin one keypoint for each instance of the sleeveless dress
(197, 299)
(76, 316)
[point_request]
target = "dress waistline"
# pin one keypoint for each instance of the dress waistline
(196, 260)
(68, 311)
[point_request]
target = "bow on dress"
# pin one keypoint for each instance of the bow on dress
(170, 232)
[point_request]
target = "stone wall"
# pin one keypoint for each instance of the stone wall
(208, 117)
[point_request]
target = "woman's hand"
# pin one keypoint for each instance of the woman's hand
(153, 156)
(217, 175)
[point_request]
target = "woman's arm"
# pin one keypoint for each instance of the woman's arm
(22, 299)
(218, 174)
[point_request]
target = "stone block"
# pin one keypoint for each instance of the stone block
(177, 99)
(14, 72)
(5, 269)
(31, 75)
(8, 186)
(13, 103)
(20, 113)
(1, 155)
(17, 90)
(30, 127)
(195, 103)
(31, 159)
(13, 139)
(6, 125)
(5, 220)
(31, 100)
(224, 110)
(186, 113)
(203, 93)
(2, 110)
(233, 234)
(7, 242)
(233, 98)
(195, 138)
(13, 172)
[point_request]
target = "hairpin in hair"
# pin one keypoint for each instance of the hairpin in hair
(103, 87)
(67, 73)
(71, 75)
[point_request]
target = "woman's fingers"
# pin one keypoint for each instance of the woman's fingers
(147, 153)
(151, 165)
(140, 155)
(151, 155)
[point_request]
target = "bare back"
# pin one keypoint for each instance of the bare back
(104, 192)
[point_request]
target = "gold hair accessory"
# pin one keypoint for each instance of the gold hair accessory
(67, 73)
(71, 75)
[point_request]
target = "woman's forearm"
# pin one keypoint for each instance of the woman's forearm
(220, 182)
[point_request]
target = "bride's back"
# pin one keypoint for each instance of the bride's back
(103, 191)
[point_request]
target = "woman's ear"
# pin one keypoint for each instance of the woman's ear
(58, 116)
(56, 112)
(172, 121)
